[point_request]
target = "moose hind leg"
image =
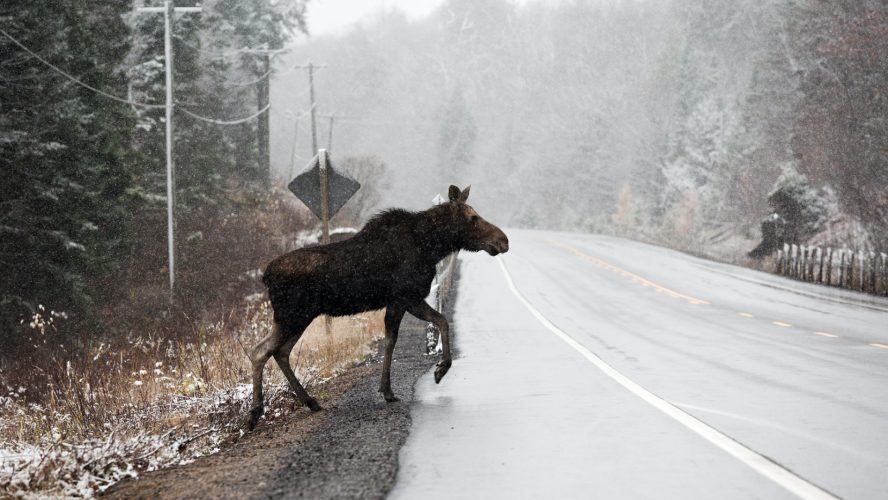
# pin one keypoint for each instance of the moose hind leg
(282, 357)
(259, 356)
(392, 322)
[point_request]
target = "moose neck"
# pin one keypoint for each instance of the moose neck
(437, 236)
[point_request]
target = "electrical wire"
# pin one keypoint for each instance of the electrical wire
(265, 75)
(134, 103)
(229, 53)
(77, 80)
(224, 122)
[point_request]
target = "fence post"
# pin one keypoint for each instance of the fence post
(785, 259)
(884, 270)
(805, 252)
(862, 262)
(789, 260)
(829, 252)
(803, 257)
(851, 270)
(779, 258)
(822, 252)
(811, 261)
(842, 268)
(885, 273)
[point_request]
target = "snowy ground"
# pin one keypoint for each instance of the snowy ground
(793, 373)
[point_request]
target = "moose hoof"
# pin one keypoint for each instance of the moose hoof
(253, 418)
(313, 405)
(391, 398)
(441, 370)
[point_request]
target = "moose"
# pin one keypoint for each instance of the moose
(389, 263)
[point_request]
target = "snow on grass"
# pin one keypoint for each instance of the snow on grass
(77, 426)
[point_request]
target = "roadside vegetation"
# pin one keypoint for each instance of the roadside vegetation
(144, 385)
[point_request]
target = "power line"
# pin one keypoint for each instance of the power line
(229, 53)
(261, 77)
(225, 122)
(255, 81)
(75, 79)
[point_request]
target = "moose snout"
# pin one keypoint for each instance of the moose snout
(499, 243)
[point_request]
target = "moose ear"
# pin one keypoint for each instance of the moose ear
(453, 194)
(465, 194)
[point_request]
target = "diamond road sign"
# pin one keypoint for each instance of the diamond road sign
(307, 186)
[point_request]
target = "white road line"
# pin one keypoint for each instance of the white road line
(761, 464)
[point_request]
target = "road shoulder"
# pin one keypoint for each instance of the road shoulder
(348, 450)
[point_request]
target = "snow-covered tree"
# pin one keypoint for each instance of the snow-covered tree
(66, 154)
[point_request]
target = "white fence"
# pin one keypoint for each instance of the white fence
(853, 269)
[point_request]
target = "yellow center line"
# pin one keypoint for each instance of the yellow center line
(876, 344)
(825, 334)
(745, 315)
(780, 323)
(630, 275)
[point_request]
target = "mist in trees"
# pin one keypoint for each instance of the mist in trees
(671, 121)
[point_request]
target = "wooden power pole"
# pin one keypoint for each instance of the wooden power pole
(262, 131)
(169, 12)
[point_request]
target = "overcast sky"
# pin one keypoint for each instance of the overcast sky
(329, 17)
(334, 16)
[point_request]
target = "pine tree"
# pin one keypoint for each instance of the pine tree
(65, 154)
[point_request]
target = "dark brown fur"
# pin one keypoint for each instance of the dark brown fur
(389, 264)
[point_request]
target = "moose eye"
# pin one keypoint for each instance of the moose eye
(473, 218)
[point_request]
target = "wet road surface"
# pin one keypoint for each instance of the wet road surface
(594, 367)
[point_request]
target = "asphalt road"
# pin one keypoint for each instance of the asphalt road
(594, 367)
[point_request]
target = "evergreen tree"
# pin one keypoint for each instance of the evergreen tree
(65, 153)
(457, 134)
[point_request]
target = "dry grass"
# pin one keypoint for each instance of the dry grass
(152, 401)
(81, 409)
(139, 385)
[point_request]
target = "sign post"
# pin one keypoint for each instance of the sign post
(325, 197)
(324, 191)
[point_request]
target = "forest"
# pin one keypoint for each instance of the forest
(679, 123)
(672, 122)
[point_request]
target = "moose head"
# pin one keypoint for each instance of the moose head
(471, 231)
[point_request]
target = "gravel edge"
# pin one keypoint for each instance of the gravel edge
(349, 450)
(354, 454)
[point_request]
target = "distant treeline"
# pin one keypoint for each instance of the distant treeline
(670, 120)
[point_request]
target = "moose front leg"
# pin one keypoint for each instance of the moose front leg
(392, 322)
(425, 312)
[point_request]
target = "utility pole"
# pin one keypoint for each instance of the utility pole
(311, 93)
(311, 67)
(262, 130)
(332, 118)
(292, 168)
(325, 196)
(169, 13)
